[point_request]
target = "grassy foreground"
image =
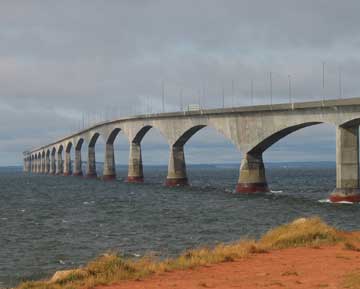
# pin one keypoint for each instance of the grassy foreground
(111, 268)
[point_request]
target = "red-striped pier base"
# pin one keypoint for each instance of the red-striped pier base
(252, 188)
(135, 180)
(91, 176)
(109, 177)
(79, 174)
(176, 182)
(345, 195)
(67, 174)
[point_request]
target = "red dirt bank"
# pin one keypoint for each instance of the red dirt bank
(290, 268)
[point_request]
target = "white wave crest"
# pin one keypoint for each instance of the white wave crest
(330, 202)
(276, 192)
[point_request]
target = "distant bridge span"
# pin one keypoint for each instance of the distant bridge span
(252, 129)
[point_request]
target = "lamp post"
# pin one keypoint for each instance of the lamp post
(252, 91)
(323, 81)
(271, 87)
(290, 88)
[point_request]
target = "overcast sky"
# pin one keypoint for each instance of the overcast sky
(60, 60)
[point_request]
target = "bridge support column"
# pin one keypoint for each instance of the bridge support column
(47, 164)
(347, 165)
(91, 164)
(78, 164)
(109, 173)
(67, 164)
(252, 175)
(38, 166)
(59, 167)
(135, 170)
(52, 165)
(25, 168)
(43, 165)
(177, 168)
(40, 170)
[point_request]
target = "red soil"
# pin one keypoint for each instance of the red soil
(290, 268)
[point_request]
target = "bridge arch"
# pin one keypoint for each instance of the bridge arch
(116, 147)
(47, 161)
(52, 161)
(78, 144)
(53, 151)
(141, 134)
(271, 139)
(93, 139)
(67, 169)
(138, 144)
(91, 158)
(112, 136)
(181, 141)
(351, 123)
(77, 167)
(60, 164)
(68, 147)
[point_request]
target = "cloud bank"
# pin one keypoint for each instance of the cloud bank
(61, 61)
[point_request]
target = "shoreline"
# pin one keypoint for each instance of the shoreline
(297, 237)
(302, 267)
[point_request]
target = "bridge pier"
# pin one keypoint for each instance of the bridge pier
(38, 166)
(252, 175)
(91, 164)
(177, 168)
(109, 172)
(47, 164)
(77, 164)
(52, 164)
(347, 165)
(41, 161)
(135, 170)
(43, 165)
(67, 164)
(26, 165)
(59, 167)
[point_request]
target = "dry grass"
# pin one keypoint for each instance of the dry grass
(112, 268)
(312, 232)
(352, 280)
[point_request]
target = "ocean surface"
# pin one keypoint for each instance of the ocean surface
(50, 223)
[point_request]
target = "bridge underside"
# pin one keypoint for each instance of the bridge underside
(252, 131)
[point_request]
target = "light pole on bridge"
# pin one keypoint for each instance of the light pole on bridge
(271, 88)
(252, 91)
(290, 88)
(340, 83)
(163, 96)
(323, 81)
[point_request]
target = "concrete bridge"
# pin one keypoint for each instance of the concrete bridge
(252, 129)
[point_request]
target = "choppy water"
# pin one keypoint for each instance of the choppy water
(53, 223)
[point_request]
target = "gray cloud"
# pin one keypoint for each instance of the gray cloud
(62, 59)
